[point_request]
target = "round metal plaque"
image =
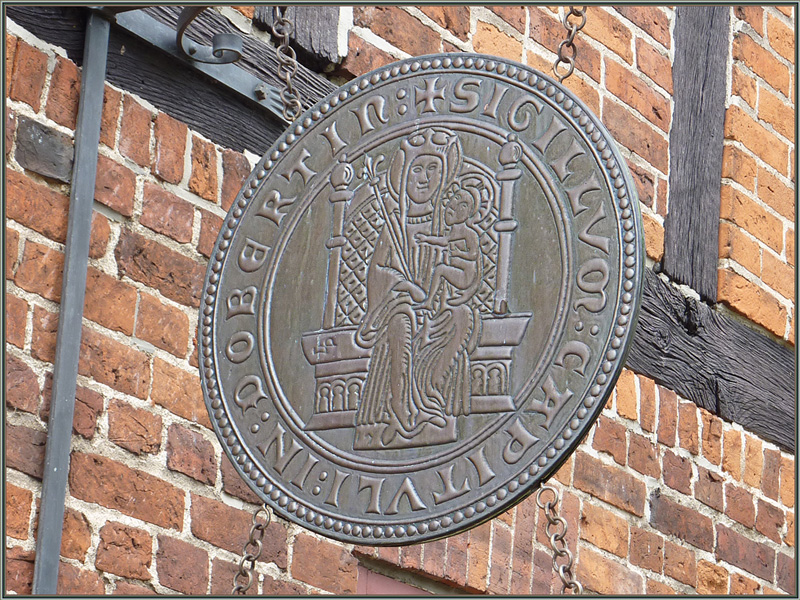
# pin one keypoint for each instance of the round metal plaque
(421, 299)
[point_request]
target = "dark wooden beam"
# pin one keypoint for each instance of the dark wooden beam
(691, 227)
(316, 32)
(716, 362)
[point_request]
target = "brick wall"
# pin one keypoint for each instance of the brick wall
(662, 497)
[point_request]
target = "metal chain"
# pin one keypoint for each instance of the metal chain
(564, 57)
(557, 542)
(282, 29)
(243, 579)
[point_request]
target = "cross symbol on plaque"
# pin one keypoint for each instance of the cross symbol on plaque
(323, 347)
(429, 94)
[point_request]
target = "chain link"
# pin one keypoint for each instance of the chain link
(282, 29)
(566, 49)
(557, 543)
(243, 579)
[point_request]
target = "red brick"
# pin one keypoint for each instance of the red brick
(210, 225)
(19, 570)
(389, 555)
(234, 485)
(736, 245)
(781, 37)
(74, 581)
(739, 126)
(638, 94)
(682, 522)
(742, 552)
(776, 194)
(604, 529)
(542, 573)
(753, 461)
(751, 217)
(454, 18)
(181, 566)
(227, 527)
(564, 472)
(626, 395)
(754, 15)
(744, 85)
(22, 385)
(170, 137)
(751, 300)
(654, 64)
(639, 137)
(222, 574)
(609, 484)
(277, 587)
(645, 184)
(109, 302)
(711, 437)
(787, 481)
(124, 551)
(502, 546)
(546, 29)
(478, 556)
(777, 275)
(456, 568)
(650, 18)
(579, 87)
(12, 248)
(64, 94)
(115, 186)
(106, 482)
(643, 456)
(203, 180)
(110, 116)
(117, 365)
(411, 557)
(324, 565)
(188, 452)
(786, 573)
(711, 578)
(708, 488)
(30, 71)
(25, 449)
(76, 535)
(732, 453)
(123, 588)
(677, 472)
(680, 563)
(18, 511)
(667, 416)
(162, 325)
(11, 51)
(524, 532)
(761, 62)
(134, 137)
(647, 404)
(604, 576)
(609, 437)
(647, 549)
(770, 520)
(167, 213)
(656, 588)
(362, 57)
(176, 276)
(179, 392)
(609, 31)
(16, 320)
(235, 169)
(88, 406)
(688, 427)
(739, 505)
(741, 585)
(43, 339)
(134, 429)
(398, 28)
(433, 563)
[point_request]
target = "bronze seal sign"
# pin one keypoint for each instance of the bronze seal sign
(421, 299)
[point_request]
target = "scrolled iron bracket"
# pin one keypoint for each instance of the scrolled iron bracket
(225, 47)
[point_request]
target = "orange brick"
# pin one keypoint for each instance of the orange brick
(739, 166)
(453, 18)
(712, 437)
(564, 473)
(30, 71)
(656, 588)
(638, 94)
(546, 29)
(761, 62)
(764, 144)
(777, 275)
(489, 40)
(752, 301)
(654, 64)
(786, 10)
(638, 136)
(609, 31)
(650, 18)
(789, 245)
(626, 395)
(741, 585)
(11, 50)
(653, 237)
(398, 28)
(680, 563)
(789, 536)
(582, 90)
(203, 181)
(787, 481)
(711, 578)
(688, 426)
(732, 453)
(777, 112)
(781, 37)
(775, 194)
(134, 140)
(605, 576)
(362, 57)
(647, 404)
(65, 87)
(734, 244)
(753, 461)
(604, 529)
(753, 15)
(750, 216)
(744, 86)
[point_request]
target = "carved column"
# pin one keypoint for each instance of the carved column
(341, 176)
(510, 154)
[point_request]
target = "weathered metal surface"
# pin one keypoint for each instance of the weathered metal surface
(421, 299)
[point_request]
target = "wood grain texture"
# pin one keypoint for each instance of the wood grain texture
(691, 228)
(316, 32)
(720, 364)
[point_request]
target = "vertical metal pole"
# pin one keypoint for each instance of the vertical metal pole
(65, 374)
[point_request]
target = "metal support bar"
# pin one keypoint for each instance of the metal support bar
(230, 76)
(73, 292)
